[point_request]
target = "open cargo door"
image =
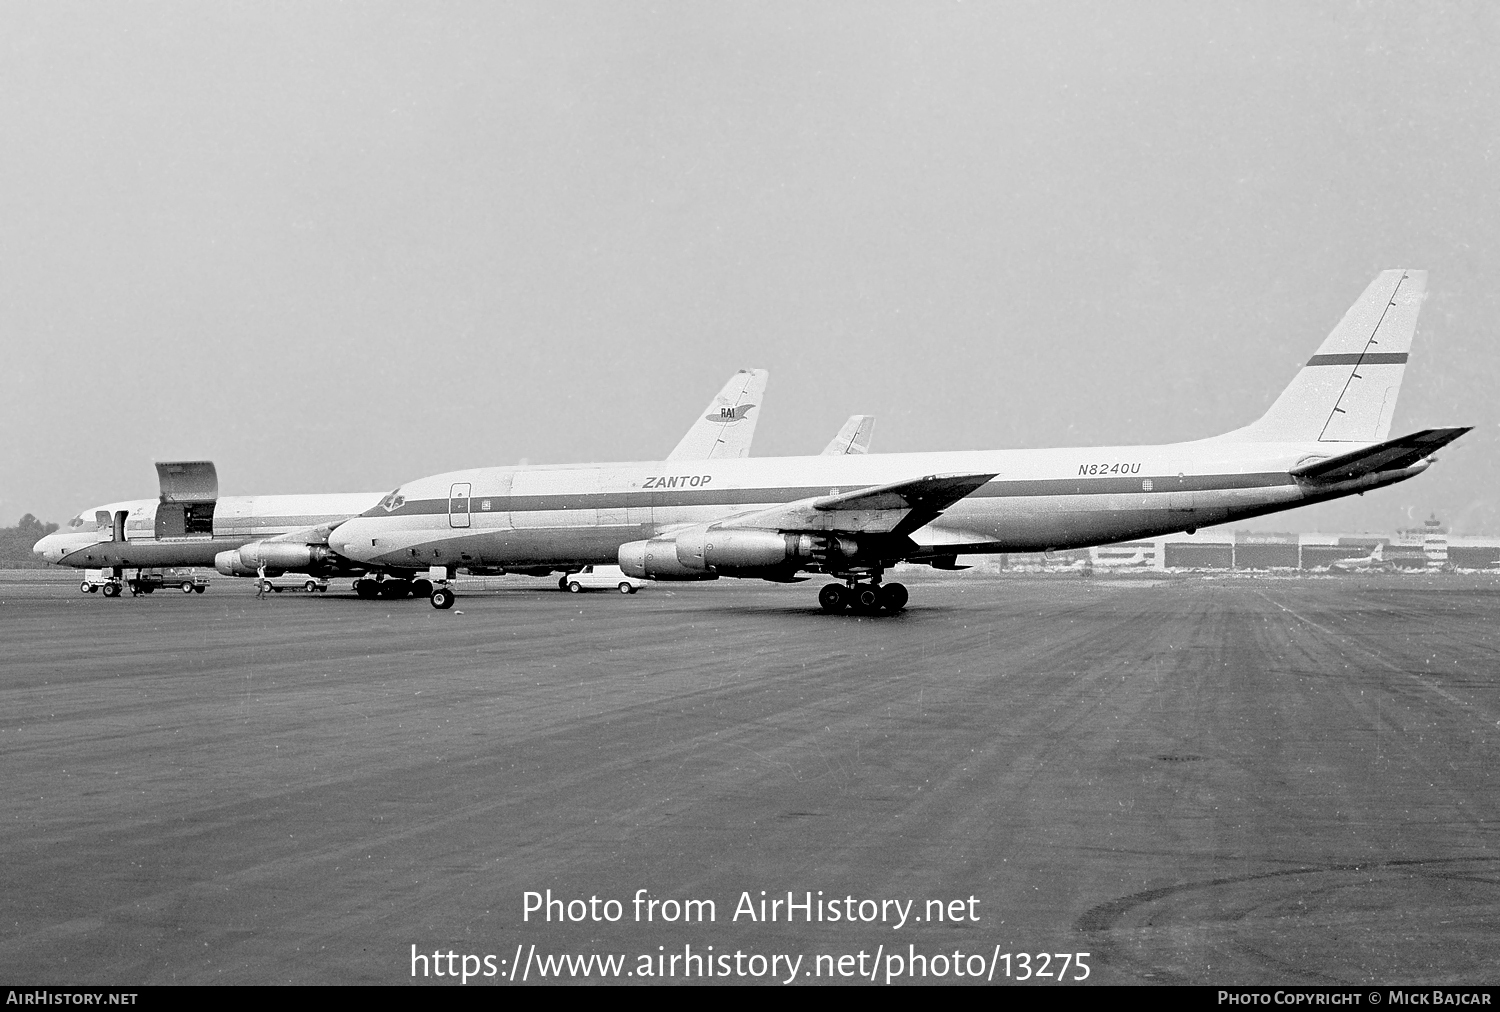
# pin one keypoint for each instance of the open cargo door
(189, 489)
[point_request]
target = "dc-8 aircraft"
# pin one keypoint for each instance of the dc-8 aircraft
(852, 516)
(190, 524)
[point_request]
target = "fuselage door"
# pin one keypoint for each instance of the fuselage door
(1182, 501)
(458, 504)
(105, 525)
(494, 504)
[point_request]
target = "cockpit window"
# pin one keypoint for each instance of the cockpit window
(80, 524)
(392, 502)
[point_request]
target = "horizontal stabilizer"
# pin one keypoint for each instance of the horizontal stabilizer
(1391, 455)
(897, 508)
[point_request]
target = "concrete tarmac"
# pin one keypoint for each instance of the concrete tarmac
(1234, 780)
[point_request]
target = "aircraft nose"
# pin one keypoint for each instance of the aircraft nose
(353, 540)
(48, 548)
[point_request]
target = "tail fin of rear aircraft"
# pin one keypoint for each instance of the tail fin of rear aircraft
(727, 425)
(1347, 391)
(854, 437)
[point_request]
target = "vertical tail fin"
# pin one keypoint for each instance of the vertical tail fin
(1347, 391)
(727, 425)
(854, 437)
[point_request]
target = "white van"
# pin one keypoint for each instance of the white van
(601, 578)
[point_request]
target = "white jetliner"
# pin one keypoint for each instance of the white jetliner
(1109, 558)
(1365, 563)
(190, 524)
(854, 515)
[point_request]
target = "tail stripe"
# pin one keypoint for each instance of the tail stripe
(1369, 358)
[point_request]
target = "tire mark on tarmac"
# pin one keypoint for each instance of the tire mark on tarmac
(1371, 654)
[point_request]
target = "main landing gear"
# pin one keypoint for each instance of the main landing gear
(392, 590)
(863, 598)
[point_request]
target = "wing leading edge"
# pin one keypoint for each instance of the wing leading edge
(895, 508)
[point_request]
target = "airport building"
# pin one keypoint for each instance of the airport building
(1430, 546)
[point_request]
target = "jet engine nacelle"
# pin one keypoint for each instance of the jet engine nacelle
(229, 564)
(657, 560)
(722, 550)
(275, 557)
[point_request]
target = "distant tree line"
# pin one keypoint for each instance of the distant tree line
(16, 542)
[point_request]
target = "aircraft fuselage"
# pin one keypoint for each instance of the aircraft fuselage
(237, 521)
(1039, 500)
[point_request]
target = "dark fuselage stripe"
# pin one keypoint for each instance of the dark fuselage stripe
(645, 499)
(1367, 358)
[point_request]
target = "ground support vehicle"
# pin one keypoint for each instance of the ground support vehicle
(145, 581)
(600, 578)
(293, 581)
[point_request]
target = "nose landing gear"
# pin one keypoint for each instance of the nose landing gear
(439, 592)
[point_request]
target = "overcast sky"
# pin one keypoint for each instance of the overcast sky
(334, 247)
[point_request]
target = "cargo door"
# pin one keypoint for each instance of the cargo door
(1182, 496)
(493, 507)
(189, 492)
(611, 502)
(188, 480)
(547, 499)
(458, 504)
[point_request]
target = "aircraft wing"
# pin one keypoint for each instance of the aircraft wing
(305, 535)
(1391, 455)
(896, 508)
(728, 423)
(854, 437)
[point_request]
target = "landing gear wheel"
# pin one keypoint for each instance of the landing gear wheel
(893, 597)
(442, 598)
(199, 590)
(367, 589)
(394, 590)
(831, 598)
(562, 583)
(186, 586)
(866, 598)
(575, 587)
(421, 588)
